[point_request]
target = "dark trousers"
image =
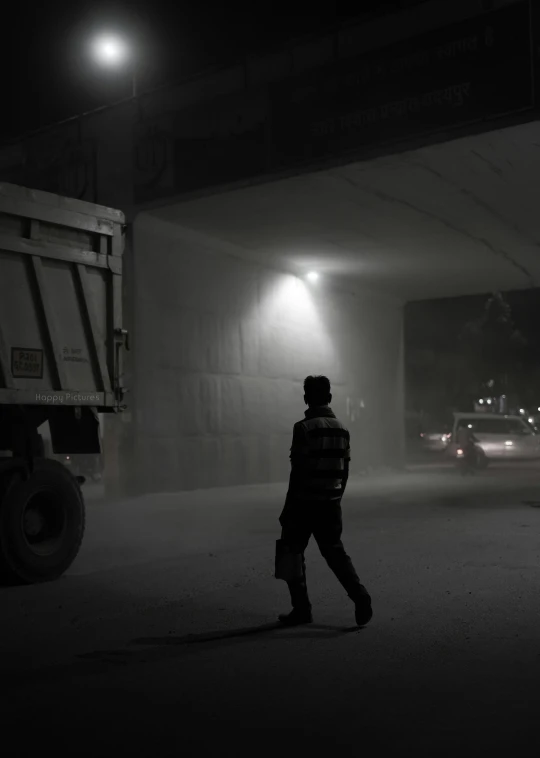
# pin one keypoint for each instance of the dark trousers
(299, 521)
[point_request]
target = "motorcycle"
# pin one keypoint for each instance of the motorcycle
(472, 460)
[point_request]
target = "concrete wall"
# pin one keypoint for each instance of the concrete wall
(220, 348)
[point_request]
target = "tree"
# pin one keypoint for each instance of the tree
(495, 352)
(458, 352)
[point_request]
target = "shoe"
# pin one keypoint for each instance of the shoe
(296, 617)
(363, 612)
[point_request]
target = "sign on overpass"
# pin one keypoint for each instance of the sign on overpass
(471, 71)
(477, 69)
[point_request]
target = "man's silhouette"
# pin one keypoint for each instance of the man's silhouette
(320, 455)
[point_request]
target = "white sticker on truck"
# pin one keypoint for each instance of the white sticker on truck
(74, 355)
(26, 363)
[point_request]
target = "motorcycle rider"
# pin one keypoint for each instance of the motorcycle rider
(467, 442)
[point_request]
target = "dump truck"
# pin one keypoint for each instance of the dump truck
(62, 342)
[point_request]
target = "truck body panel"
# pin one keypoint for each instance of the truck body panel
(60, 301)
(61, 345)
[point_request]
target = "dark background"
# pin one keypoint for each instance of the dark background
(438, 357)
(49, 74)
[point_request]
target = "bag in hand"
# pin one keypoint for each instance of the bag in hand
(288, 562)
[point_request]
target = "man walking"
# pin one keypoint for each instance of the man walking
(320, 455)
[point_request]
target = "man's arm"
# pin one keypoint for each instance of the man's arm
(299, 457)
(345, 478)
(345, 470)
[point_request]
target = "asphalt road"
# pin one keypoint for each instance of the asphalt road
(160, 641)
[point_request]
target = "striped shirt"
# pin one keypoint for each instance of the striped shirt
(319, 452)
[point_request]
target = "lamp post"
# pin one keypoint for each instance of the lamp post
(112, 51)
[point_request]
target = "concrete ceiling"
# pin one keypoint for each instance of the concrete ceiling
(457, 218)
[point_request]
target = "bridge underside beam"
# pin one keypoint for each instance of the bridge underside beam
(445, 220)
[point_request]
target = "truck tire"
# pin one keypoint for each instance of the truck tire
(42, 522)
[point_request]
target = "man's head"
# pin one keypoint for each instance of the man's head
(317, 391)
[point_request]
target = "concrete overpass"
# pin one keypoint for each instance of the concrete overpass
(400, 160)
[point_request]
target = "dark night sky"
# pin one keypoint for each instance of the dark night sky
(50, 75)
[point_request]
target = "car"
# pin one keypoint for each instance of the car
(435, 440)
(502, 438)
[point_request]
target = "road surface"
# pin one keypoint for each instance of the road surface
(156, 642)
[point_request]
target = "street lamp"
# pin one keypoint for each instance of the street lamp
(111, 50)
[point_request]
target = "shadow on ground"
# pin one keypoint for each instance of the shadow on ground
(156, 649)
(312, 631)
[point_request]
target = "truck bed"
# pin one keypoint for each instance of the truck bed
(60, 300)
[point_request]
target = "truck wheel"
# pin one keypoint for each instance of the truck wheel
(42, 524)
